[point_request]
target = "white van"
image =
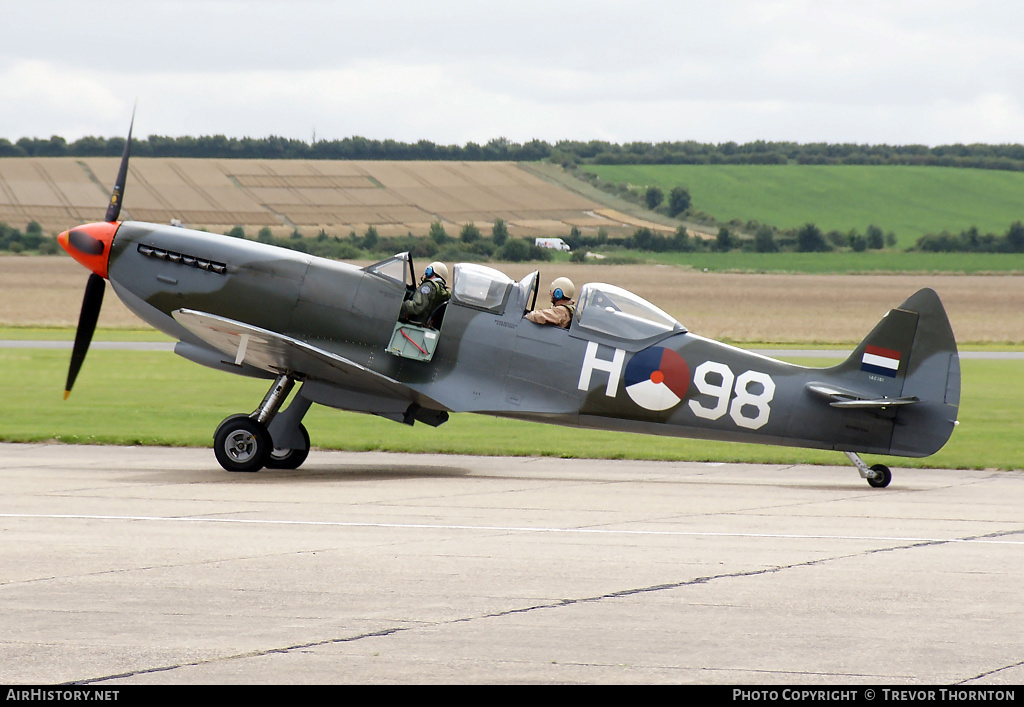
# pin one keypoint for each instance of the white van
(555, 243)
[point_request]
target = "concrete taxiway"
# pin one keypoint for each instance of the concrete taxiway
(152, 565)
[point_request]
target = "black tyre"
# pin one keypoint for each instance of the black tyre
(242, 444)
(290, 458)
(882, 476)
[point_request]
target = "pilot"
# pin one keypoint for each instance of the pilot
(431, 294)
(562, 306)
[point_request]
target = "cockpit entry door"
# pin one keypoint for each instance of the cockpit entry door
(413, 341)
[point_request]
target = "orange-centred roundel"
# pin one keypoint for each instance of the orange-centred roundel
(656, 378)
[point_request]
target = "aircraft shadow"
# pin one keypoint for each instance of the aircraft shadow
(347, 472)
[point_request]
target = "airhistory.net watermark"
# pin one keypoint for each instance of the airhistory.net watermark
(51, 695)
(882, 694)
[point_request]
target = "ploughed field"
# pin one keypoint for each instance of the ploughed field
(785, 308)
(336, 196)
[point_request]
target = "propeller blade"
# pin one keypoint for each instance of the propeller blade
(91, 304)
(117, 196)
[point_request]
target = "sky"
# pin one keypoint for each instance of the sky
(452, 71)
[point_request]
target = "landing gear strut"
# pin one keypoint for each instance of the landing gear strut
(251, 442)
(878, 476)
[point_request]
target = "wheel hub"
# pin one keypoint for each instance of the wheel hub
(241, 446)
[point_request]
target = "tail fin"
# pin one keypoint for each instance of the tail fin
(911, 354)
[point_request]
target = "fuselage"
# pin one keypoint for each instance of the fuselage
(489, 359)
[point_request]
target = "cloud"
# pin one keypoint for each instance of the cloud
(452, 70)
(61, 100)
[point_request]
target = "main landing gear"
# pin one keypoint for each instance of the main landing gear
(878, 476)
(264, 438)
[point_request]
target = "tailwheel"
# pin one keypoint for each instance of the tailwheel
(881, 477)
(242, 444)
(878, 476)
(290, 458)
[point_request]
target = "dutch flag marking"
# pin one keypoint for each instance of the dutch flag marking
(884, 362)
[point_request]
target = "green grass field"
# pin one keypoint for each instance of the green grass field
(130, 397)
(909, 201)
(61, 333)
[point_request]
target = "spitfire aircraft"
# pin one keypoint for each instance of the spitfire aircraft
(622, 364)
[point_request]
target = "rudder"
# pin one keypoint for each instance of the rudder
(933, 376)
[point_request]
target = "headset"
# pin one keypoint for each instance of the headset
(441, 271)
(562, 288)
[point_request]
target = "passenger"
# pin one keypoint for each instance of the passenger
(431, 294)
(563, 307)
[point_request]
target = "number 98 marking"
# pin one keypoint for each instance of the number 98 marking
(740, 409)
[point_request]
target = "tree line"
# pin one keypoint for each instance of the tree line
(973, 241)
(32, 239)
(472, 244)
(979, 156)
(566, 152)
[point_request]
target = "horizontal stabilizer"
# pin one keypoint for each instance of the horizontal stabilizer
(845, 398)
(876, 403)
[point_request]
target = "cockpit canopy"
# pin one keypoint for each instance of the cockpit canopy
(481, 287)
(611, 310)
(602, 308)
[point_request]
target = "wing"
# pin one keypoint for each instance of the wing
(243, 344)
